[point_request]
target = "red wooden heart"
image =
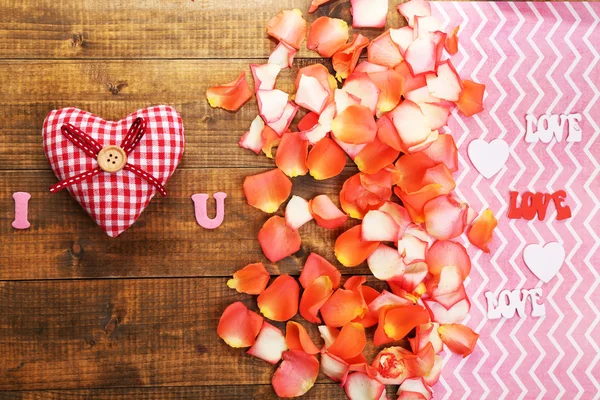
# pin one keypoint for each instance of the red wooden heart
(115, 200)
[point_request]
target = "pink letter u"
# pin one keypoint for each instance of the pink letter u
(200, 201)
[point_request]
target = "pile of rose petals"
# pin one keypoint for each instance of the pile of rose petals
(389, 116)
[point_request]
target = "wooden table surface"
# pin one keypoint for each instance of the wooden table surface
(84, 316)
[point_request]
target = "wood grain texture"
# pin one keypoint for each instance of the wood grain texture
(152, 28)
(123, 333)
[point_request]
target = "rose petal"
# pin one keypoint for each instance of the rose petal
(308, 122)
(269, 345)
(321, 73)
(411, 124)
(421, 95)
(413, 244)
(351, 150)
(413, 8)
(480, 233)
(444, 151)
(288, 26)
(446, 84)
(388, 300)
(264, 76)
(446, 253)
(421, 363)
(415, 202)
(271, 140)
(421, 56)
(350, 250)
(460, 339)
(411, 82)
(326, 159)
(370, 318)
(434, 375)
(252, 279)
(311, 94)
(326, 213)
(230, 96)
(399, 321)
(268, 190)
(414, 388)
(342, 307)
(297, 338)
(414, 274)
(314, 296)
(278, 240)
(350, 342)
(379, 226)
(283, 55)
(451, 44)
(402, 37)
(387, 133)
(355, 125)
(391, 85)
(398, 214)
(360, 85)
(315, 4)
(297, 212)
(317, 266)
(471, 98)
(334, 367)
(283, 123)
(385, 263)
(384, 51)
(327, 36)
(455, 314)
(391, 366)
(360, 386)
(345, 60)
(445, 218)
(328, 335)
(426, 333)
(253, 139)
(369, 68)
(296, 375)
(357, 197)
(343, 99)
(436, 115)
(271, 104)
(238, 326)
(291, 154)
(424, 26)
(279, 301)
(369, 13)
(375, 156)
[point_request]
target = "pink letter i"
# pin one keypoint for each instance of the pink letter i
(21, 202)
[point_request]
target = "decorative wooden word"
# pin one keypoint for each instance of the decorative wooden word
(537, 203)
(200, 201)
(510, 302)
(21, 206)
(549, 126)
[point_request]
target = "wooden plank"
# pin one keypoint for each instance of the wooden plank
(64, 242)
(123, 333)
(152, 28)
(321, 391)
(212, 135)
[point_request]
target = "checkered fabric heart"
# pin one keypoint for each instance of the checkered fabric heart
(114, 200)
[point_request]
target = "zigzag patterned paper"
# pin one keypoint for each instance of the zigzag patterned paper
(534, 58)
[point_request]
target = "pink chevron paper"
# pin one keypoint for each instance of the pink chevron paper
(534, 58)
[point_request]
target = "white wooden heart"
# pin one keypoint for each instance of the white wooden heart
(544, 261)
(488, 158)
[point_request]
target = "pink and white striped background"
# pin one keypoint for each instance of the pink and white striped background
(534, 58)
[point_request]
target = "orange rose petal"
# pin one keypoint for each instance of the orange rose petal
(425, 334)
(253, 139)
(414, 389)
(380, 337)
(268, 190)
(370, 318)
(283, 123)
(321, 73)
(271, 139)
(415, 202)
(413, 8)
(355, 125)
(313, 298)
(355, 282)
(327, 36)
(283, 55)
(375, 156)
(470, 101)
(360, 386)
(411, 124)
(350, 342)
(238, 326)
(434, 375)
(291, 154)
(252, 279)
(296, 375)
(379, 226)
(436, 115)
(297, 212)
(334, 367)
(270, 344)
(342, 307)
(422, 364)
(421, 95)
(387, 133)
(271, 104)
(411, 82)
(445, 218)
(460, 339)
(278, 240)
(391, 85)
(421, 56)
(309, 121)
(279, 302)
(230, 96)
(446, 253)
(351, 150)
(414, 275)
(391, 366)
(425, 25)
(264, 76)
(480, 233)
(315, 4)
(451, 44)
(311, 94)
(288, 26)
(386, 264)
(350, 250)
(326, 159)
(345, 60)
(297, 338)
(444, 151)
(452, 315)
(360, 86)
(326, 213)
(317, 266)
(369, 13)
(369, 68)
(343, 99)
(446, 84)
(328, 335)
(413, 244)
(383, 51)
(399, 321)
(402, 37)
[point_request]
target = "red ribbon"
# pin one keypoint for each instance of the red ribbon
(91, 147)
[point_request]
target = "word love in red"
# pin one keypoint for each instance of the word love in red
(537, 203)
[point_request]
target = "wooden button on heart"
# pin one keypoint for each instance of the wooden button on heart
(112, 159)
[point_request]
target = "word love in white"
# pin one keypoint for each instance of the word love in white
(552, 126)
(510, 302)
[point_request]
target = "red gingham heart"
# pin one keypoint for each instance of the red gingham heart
(115, 200)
